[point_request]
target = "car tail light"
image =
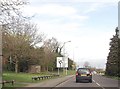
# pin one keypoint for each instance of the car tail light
(90, 73)
(76, 73)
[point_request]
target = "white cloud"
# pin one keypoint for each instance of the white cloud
(56, 10)
(78, 17)
(93, 7)
(51, 9)
(91, 46)
(104, 1)
(69, 26)
(58, 28)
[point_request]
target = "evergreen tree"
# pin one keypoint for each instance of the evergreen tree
(112, 59)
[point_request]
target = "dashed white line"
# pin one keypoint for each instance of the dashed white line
(63, 82)
(98, 84)
(93, 80)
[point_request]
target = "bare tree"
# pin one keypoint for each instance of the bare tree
(50, 49)
(9, 9)
(52, 44)
(19, 38)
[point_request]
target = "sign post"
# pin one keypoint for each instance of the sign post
(66, 63)
(58, 71)
(62, 62)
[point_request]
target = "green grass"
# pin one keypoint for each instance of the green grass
(15, 85)
(71, 72)
(22, 79)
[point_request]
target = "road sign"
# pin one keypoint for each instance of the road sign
(65, 65)
(60, 62)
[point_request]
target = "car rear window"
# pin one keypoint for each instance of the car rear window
(83, 71)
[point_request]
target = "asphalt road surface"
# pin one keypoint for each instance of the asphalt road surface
(99, 82)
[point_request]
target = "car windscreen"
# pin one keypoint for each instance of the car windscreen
(83, 71)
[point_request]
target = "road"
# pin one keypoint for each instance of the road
(99, 82)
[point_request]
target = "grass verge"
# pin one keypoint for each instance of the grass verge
(113, 77)
(23, 79)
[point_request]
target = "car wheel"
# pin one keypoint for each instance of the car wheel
(90, 80)
(76, 81)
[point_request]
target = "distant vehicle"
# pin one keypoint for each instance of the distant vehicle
(83, 74)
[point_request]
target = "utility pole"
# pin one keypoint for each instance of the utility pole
(64, 57)
(74, 56)
(1, 55)
(119, 19)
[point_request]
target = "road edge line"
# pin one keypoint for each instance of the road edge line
(62, 82)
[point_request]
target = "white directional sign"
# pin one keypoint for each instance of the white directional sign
(60, 62)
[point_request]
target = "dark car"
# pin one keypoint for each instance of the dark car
(83, 74)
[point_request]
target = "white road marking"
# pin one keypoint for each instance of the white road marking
(98, 84)
(62, 83)
(93, 80)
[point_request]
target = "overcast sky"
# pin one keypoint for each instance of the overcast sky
(88, 25)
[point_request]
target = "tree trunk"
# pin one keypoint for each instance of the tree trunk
(16, 64)
(52, 69)
(47, 68)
